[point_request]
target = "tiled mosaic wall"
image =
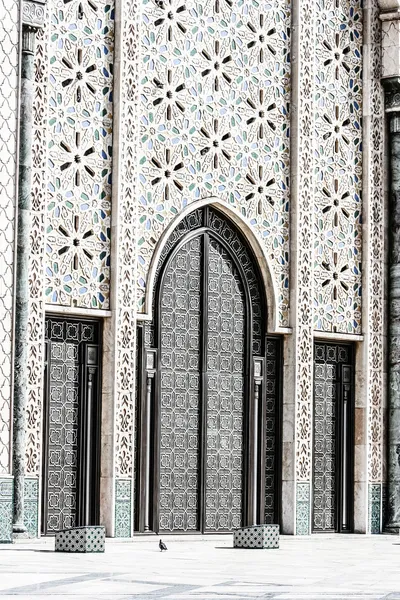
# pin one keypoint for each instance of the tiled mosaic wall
(31, 514)
(123, 508)
(374, 508)
(215, 96)
(9, 32)
(303, 509)
(6, 509)
(80, 153)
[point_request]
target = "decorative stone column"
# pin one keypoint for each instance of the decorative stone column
(392, 87)
(33, 12)
(390, 17)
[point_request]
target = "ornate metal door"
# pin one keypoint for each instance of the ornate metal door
(71, 425)
(213, 434)
(333, 434)
(225, 347)
(180, 390)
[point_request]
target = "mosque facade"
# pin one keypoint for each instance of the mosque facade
(199, 270)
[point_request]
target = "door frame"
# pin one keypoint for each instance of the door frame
(88, 508)
(148, 342)
(342, 440)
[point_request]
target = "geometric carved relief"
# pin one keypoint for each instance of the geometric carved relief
(80, 153)
(214, 121)
(338, 166)
(9, 34)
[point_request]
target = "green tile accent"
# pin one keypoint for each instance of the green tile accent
(374, 507)
(384, 506)
(303, 508)
(6, 509)
(31, 510)
(123, 508)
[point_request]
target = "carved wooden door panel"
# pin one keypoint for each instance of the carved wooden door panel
(70, 429)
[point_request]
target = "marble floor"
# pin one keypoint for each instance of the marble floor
(206, 568)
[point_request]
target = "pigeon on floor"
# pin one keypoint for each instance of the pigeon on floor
(162, 546)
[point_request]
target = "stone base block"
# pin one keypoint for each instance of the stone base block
(256, 536)
(81, 539)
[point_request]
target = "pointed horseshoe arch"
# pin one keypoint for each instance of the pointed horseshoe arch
(270, 287)
(209, 406)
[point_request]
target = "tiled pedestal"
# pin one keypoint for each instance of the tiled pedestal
(81, 539)
(257, 536)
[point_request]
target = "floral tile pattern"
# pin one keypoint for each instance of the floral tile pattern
(80, 153)
(215, 120)
(338, 166)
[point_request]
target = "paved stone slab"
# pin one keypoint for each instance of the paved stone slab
(206, 568)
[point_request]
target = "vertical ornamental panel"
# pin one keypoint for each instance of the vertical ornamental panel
(180, 390)
(225, 392)
(374, 297)
(34, 409)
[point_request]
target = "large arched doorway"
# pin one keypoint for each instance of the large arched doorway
(207, 444)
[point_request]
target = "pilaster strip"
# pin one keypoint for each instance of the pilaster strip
(36, 258)
(126, 252)
(304, 219)
(376, 249)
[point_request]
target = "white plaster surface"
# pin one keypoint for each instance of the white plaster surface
(331, 567)
(390, 48)
(389, 5)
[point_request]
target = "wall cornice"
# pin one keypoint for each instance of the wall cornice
(33, 13)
